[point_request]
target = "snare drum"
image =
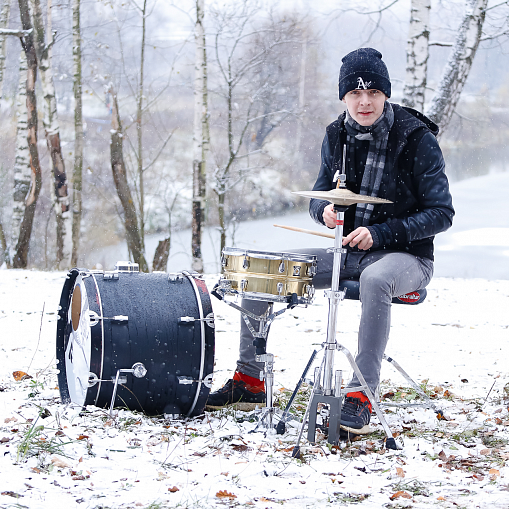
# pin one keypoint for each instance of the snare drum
(264, 275)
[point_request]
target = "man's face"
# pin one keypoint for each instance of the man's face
(365, 106)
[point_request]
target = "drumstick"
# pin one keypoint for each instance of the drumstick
(302, 230)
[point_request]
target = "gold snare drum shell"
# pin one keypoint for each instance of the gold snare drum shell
(257, 283)
(269, 273)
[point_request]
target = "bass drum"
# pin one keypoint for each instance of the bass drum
(110, 321)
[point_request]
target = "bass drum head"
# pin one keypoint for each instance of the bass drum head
(78, 349)
(113, 320)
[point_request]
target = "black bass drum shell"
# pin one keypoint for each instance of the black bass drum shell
(136, 317)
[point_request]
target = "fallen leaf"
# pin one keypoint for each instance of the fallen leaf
(11, 419)
(302, 482)
(225, 494)
(20, 375)
(400, 472)
(400, 494)
(440, 498)
(4, 440)
(484, 452)
(78, 477)
(498, 421)
(83, 437)
(59, 463)
(225, 473)
(36, 470)
(442, 456)
(11, 494)
(448, 394)
(494, 472)
(478, 477)
(240, 447)
(173, 490)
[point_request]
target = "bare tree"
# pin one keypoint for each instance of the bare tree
(4, 21)
(43, 46)
(22, 172)
(417, 55)
(20, 258)
(201, 137)
(240, 66)
(118, 167)
(77, 178)
(459, 64)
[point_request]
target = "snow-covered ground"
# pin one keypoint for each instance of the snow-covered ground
(477, 245)
(54, 456)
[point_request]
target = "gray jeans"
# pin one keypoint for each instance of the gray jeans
(382, 275)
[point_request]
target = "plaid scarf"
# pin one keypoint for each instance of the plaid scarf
(378, 135)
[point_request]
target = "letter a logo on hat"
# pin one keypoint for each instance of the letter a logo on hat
(361, 84)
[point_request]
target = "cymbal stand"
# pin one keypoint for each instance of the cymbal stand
(324, 391)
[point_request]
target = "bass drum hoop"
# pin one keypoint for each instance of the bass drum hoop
(202, 334)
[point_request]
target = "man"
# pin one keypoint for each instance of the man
(390, 152)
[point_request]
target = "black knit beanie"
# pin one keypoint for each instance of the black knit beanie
(364, 69)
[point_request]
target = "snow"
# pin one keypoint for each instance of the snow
(457, 340)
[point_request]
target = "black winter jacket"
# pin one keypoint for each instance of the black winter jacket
(414, 180)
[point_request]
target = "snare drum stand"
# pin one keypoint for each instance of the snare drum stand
(260, 343)
(326, 394)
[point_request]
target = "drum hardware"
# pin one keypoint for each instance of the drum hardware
(186, 380)
(138, 370)
(325, 393)
(209, 319)
(127, 267)
(220, 291)
(95, 318)
(281, 425)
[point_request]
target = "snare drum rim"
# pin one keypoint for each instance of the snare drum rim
(269, 255)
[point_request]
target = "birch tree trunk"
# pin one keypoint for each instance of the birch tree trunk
(417, 55)
(302, 94)
(21, 255)
(139, 126)
(22, 172)
(4, 22)
(201, 137)
(459, 64)
(3, 246)
(52, 132)
(77, 183)
(124, 193)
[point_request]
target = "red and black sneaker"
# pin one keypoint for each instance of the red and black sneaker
(356, 414)
(243, 392)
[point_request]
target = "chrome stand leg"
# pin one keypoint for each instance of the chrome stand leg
(329, 396)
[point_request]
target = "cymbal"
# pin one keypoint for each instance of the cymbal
(341, 197)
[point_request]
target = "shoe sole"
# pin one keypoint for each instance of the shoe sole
(242, 407)
(365, 430)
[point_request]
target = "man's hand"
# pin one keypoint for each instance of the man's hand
(329, 216)
(360, 237)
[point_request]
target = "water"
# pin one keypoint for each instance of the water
(477, 245)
